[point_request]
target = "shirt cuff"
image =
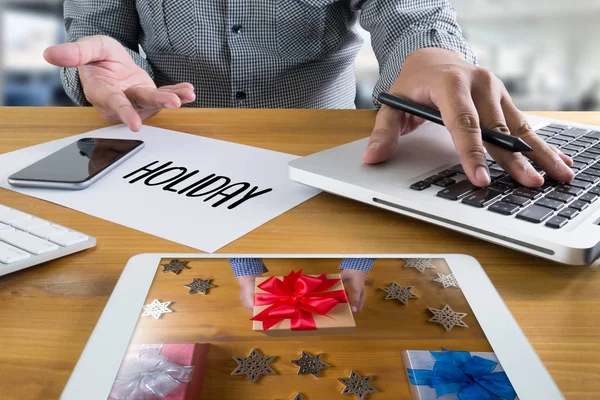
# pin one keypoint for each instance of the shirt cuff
(247, 266)
(419, 40)
(357, 264)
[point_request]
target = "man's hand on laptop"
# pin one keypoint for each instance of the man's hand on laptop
(467, 97)
(114, 84)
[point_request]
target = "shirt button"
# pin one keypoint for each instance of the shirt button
(239, 96)
(236, 29)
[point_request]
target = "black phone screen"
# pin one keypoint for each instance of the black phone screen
(79, 161)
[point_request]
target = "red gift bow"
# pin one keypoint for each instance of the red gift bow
(297, 298)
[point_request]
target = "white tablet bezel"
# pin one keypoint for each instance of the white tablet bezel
(97, 367)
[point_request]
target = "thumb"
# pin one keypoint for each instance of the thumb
(89, 49)
(353, 298)
(384, 136)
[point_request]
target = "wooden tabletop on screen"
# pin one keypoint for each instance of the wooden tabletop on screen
(48, 312)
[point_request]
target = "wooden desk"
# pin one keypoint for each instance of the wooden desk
(48, 312)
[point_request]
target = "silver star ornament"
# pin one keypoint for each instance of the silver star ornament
(254, 366)
(447, 318)
(199, 286)
(360, 386)
(446, 280)
(175, 266)
(298, 396)
(309, 364)
(420, 264)
(156, 309)
(400, 293)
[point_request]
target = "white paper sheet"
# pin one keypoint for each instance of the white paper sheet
(192, 221)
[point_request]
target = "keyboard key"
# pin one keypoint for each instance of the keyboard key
(495, 173)
(46, 231)
(557, 222)
(568, 213)
(4, 226)
(579, 205)
(503, 208)
(11, 216)
(68, 238)
(556, 142)
(458, 190)
(584, 160)
(587, 177)
(595, 190)
(445, 182)
(569, 147)
(570, 153)
(553, 204)
(433, 179)
(580, 184)
(590, 154)
(481, 198)
(10, 254)
(558, 126)
(550, 129)
(510, 182)
(577, 165)
(588, 139)
(547, 186)
(27, 242)
(592, 171)
(27, 224)
(588, 197)
(535, 214)
(566, 188)
(447, 173)
(458, 168)
(497, 168)
(579, 143)
(592, 150)
(421, 185)
(563, 137)
(526, 192)
(499, 187)
(516, 200)
(560, 196)
(595, 135)
(574, 132)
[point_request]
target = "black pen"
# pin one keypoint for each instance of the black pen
(500, 139)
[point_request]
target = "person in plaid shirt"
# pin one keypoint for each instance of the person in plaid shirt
(294, 54)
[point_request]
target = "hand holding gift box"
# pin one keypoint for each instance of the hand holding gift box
(299, 304)
(157, 371)
(451, 375)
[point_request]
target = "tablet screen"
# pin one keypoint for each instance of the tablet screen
(415, 337)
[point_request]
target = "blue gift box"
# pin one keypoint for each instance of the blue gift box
(456, 375)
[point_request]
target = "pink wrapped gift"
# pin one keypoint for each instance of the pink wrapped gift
(161, 371)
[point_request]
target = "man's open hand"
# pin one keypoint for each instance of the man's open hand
(114, 84)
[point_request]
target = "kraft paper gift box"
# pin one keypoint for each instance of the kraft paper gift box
(298, 294)
(453, 375)
(161, 371)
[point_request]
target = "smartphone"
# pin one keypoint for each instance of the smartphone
(77, 165)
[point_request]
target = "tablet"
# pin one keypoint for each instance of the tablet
(389, 334)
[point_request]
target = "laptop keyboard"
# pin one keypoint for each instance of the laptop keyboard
(554, 203)
(26, 240)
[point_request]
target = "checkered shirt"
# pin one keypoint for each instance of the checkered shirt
(264, 53)
(255, 266)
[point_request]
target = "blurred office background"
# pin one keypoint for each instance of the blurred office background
(546, 51)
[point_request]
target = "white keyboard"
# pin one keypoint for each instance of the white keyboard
(26, 240)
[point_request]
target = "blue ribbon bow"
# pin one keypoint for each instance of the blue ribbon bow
(470, 377)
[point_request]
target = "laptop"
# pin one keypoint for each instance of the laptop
(424, 179)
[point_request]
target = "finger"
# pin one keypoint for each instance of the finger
(384, 137)
(89, 49)
(353, 298)
(460, 117)
(186, 95)
(487, 95)
(543, 154)
(148, 97)
(120, 105)
(361, 302)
